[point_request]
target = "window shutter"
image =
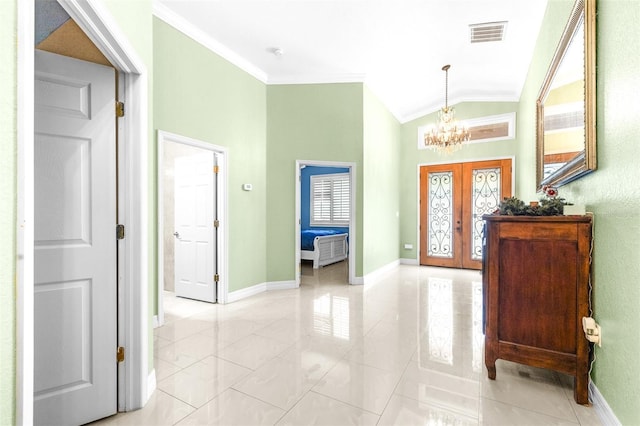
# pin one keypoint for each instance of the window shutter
(340, 200)
(330, 200)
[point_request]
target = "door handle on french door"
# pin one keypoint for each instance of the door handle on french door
(177, 235)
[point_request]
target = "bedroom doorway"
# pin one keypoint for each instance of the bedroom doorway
(191, 220)
(325, 202)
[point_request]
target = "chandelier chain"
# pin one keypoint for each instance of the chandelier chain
(446, 85)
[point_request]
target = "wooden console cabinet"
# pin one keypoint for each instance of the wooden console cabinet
(536, 291)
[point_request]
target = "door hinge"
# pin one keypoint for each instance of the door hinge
(216, 223)
(120, 354)
(120, 232)
(216, 278)
(119, 109)
(216, 169)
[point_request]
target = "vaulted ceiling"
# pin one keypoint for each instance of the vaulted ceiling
(396, 47)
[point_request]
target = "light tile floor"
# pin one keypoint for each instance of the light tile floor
(404, 351)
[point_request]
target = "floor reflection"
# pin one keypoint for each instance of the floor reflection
(406, 349)
(331, 316)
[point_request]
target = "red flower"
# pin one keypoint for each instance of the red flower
(550, 191)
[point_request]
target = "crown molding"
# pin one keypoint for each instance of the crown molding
(317, 79)
(421, 112)
(164, 13)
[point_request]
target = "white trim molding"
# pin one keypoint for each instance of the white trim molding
(222, 249)
(25, 213)
(243, 293)
(600, 405)
(151, 383)
(179, 23)
(300, 164)
(358, 281)
(433, 108)
(317, 79)
(375, 276)
(281, 285)
(406, 261)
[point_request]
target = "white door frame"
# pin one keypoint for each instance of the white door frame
(222, 243)
(135, 384)
(352, 213)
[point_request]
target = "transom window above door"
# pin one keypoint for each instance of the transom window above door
(330, 200)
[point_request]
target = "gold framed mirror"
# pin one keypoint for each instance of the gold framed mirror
(566, 105)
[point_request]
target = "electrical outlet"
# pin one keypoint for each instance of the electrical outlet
(408, 246)
(592, 330)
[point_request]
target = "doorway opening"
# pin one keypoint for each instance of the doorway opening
(192, 238)
(331, 211)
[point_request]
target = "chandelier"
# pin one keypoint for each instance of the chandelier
(447, 136)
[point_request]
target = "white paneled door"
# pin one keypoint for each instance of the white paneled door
(195, 243)
(75, 287)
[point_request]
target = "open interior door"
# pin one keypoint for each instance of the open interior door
(195, 243)
(75, 241)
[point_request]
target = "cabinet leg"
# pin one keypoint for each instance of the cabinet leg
(490, 357)
(491, 369)
(492, 372)
(581, 389)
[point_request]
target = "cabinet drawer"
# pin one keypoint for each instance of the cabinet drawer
(539, 231)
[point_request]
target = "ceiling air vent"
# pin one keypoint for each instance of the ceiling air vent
(488, 31)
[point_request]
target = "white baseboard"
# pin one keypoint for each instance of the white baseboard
(600, 405)
(151, 385)
(405, 261)
(281, 285)
(156, 323)
(358, 281)
(374, 276)
(243, 293)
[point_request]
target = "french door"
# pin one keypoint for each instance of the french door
(453, 198)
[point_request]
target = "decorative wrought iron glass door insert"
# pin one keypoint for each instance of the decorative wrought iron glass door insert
(453, 198)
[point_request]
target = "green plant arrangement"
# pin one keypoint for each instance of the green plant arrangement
(550, 205)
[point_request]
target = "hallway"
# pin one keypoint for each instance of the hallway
(406, 350)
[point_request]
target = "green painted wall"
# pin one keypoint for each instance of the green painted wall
(200, 95)
(411, 158)
(8, 149)
(308, 122)
(381, 180)
(337, 122)
(611, 192)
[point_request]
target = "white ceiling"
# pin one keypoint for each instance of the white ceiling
(396, 47)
